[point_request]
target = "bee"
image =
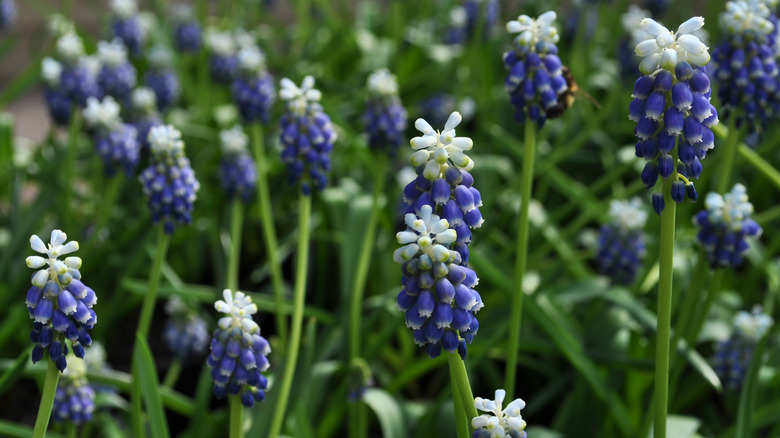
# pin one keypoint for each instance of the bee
(566, 99)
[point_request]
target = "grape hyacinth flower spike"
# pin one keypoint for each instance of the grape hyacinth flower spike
(504, 421)
(143, 112)
(75, 398)
(726, 227)
(238, 352)
(58, 302)
(223, 62)
(621, 244)
(307, 135)
(672, 108)
(253, 87)
(385, 117)
(162, 77)
(117, 76)
(169, 182)
(126, 24)
(8, 12)
(535, 81)
(115, 142)
(78, 76)
(185, 333)
(57, 101)
(731, 357)
(187, 34)
(238, 171)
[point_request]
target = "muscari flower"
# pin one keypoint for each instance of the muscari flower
(143, 113)
(535, 79)
(746, 69)
(238, 352)
(115, 142)
(58, 103)
(7, 14)
(253, 87)
(307, 135)
(126, 24)
(74, 399)
(78, 76)
(385, 117)
(237, 171)
(503, 423)
(185, 333)
(116, 76)
(672, 108)
(223, 61)
(169, 182)
(162, 78)
(731, 357)
(436, 108)
(58, 302)
(464, 19)
(621, 244)
(725, 227)
(187, 35)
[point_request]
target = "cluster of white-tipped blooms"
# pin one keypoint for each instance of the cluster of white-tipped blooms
(299, 98)
(746, 16)
(664, 48)
(754, 325)
(504, 422)
(103, 114)
(427, 235)
(436, 149)
(531, 31)
(631, 21)
(628, 214)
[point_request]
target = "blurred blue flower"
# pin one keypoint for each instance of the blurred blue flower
(504, 422)
(731, 357)
(385, 117)
(185, 333)
(143, 113)
(162, 77)
(464, 20)
(117, 76)
(238, 352)
(78, 73)
(621, 244)
(726, 226)
(126, 24)
(187, 34)
(253, 87)
(7, 14)
(307, 135)
(633, 36)
(58, 302)
(237, 171)
(223, 59)
(115, 142)
(169, 182)
(57, 102)
(74, 400)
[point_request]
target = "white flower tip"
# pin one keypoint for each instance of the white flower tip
(453, 121)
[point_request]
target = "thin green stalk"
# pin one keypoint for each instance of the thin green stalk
(236, 413)
(761, 164)
(727, 160)
(173, 373)
(71, 430)
(303, 18)
(461, 384)
(47, 400)
(269, 232)
(461, 423)
(691, 302)
(70, 162)
(304, 218)
(236, 223)
(521, 252)
(109, 200)
(664, 308)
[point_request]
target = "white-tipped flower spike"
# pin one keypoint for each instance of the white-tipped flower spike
(112, 53)
(123, 8)
(437, 150)
(621, 242)
(143, 99)
(220, 43)
(753, 326)
(628, 214)
(50, 72)
(238, 352)
(74, 400)
(58, 301)
(664, 49)
(732, 209)
(238, 171)
(427, 234)
(58, 25)
(185, 333)
(165, 141)
(385, 118)
(251, 60)
(382, 83)
(298, 99)
(70, 48)
(747, 16)
(234, 140)
(507, 422)
(531, 32)
(102, 115)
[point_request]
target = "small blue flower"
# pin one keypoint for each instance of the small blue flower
(385, 117)
(144, 114)
(621, 244)
(307, 135)
(58, 302)
(464, 19)
(187, 34)
(7, 14)
(238, 352)
(162, 78)
(117, 76)
(169, 182)
(238, 171)
(78, 73)
(185, 333)
(504, 422)
(726, 226)
(126, 25)
(59, 104)
(74, 400)
(115, 142)
(731, 357)
(223, 61)
(253, 87)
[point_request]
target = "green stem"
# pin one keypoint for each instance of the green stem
(664, 308)
(729, 157)
(236, 223)
(70, 163)
(109, 200)
(304, 218)
(47, 400)
(147, 310)
(71, 430)
(461, 423)
(236, 412)
(761, 164)
(521, 251)
(173, 373)
(269, 232)
(461, 384)
(302, 15)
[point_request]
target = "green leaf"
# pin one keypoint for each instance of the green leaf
(16, 370)
(388, 411)
(747, 399)
(147, 374)
(9, 429)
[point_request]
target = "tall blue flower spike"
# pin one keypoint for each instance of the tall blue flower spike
(126, 25)
(78, 76)
(621, 244)
(58, 302)
(169, 182)
(187, 34)
(746, 69)
(223, 59)
(74, 400)
(253, 87)
(162, 77)
(307, 135)
(186, 334)
(115, 142)
(8, 13)
(731, 357)
(726, 226)
(238, 352)
(117, 76)
(503, 423)
(143, 113)
(57, 102)
(671, 107)
(385, 117)
(438, 293)
(535, 80)
(238, 171)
